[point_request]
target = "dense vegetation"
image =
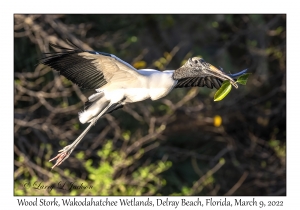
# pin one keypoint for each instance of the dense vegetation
(183, 144)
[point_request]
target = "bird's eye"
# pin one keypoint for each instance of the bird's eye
(196, 61)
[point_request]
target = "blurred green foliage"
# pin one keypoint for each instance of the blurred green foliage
(100, 180)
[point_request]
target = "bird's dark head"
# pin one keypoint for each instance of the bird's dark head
(197, 67)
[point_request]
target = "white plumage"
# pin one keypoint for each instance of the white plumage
(148, 84)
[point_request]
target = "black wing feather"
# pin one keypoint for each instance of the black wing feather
(74, 67)
(210, 82)
(114, 107)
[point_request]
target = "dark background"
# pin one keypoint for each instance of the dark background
(183, 144)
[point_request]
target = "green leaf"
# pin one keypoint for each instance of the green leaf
(223, 91)
(243, 79)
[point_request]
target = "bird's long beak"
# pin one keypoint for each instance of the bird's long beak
(220, 74)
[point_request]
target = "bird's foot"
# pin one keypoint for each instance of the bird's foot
(62, 156)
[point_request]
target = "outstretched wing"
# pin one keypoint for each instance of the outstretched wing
(208, 81)
(88, 69)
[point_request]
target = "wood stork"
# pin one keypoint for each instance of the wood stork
(118, 83)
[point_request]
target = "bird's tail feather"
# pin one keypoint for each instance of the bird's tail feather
(95, 105)
(92, 122)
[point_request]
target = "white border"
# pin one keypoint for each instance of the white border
(195, 7)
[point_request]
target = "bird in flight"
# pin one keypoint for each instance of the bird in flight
(117, 83)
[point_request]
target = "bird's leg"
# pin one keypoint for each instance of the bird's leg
(67, 150)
